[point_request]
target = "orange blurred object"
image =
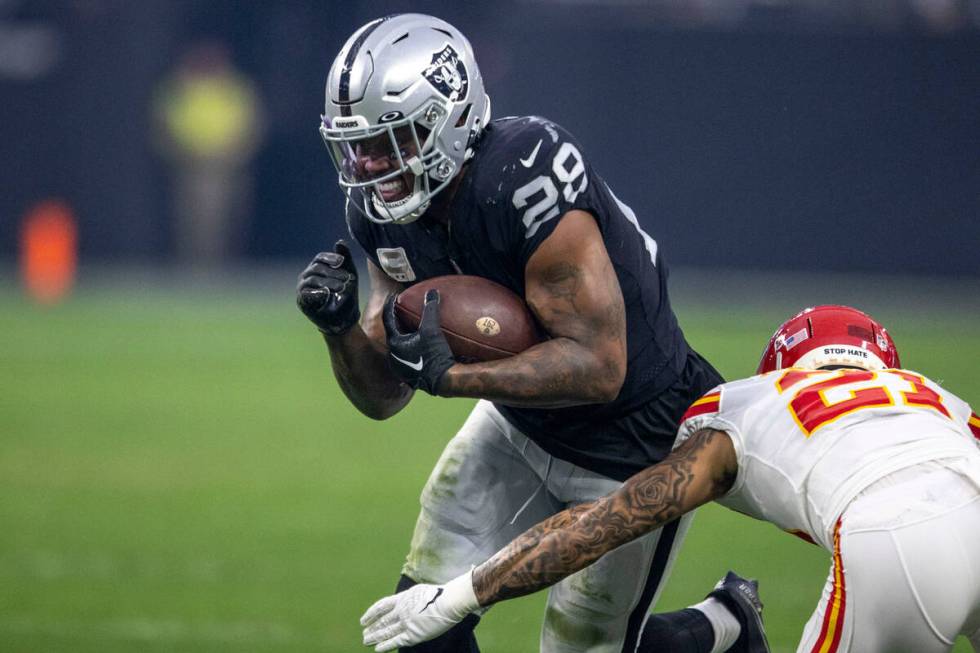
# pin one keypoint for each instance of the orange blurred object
(49, 251)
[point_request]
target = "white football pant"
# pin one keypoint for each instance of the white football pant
(906, 570)
(490, 485)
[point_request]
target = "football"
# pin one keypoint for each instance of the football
(482, 320)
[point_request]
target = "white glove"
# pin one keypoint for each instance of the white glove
(418, 614)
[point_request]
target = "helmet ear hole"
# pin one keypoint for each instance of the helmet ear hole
(463, 117)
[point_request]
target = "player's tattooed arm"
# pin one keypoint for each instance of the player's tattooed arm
(703, 468)
(359, 357)
(572, 288)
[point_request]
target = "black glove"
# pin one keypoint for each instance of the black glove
(419, 359)
(327, 291)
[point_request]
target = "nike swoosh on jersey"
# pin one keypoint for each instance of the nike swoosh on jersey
(415, 366)
(438, 594)
(529, 161)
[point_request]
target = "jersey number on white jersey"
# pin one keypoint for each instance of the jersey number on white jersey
(811, 407)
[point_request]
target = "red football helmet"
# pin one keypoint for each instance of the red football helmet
(829, 335)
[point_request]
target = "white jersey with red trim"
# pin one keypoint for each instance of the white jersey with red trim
(807, 442)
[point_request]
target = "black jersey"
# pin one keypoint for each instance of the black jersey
(525, 174)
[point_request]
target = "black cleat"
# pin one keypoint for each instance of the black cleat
(741, 597)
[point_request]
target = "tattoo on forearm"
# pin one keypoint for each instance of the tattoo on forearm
(566, 370)
(546, 376)
(575, 538)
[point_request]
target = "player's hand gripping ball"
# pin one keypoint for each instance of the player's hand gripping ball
(481, 320)
(420, 357)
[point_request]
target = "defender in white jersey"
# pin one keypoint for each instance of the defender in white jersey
(831, 441)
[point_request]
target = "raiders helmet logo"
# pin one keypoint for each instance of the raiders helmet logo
(447, 74)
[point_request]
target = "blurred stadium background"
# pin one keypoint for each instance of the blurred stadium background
(178, 470)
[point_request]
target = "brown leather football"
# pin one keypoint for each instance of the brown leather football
(482, 320)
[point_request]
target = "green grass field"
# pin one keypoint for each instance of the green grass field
(179, 472)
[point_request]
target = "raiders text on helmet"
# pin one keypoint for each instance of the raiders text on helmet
(407, 84)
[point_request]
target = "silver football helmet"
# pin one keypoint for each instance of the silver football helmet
(405, 104)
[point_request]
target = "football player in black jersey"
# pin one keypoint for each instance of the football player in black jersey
(434, 187)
